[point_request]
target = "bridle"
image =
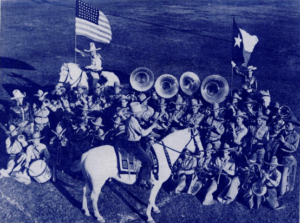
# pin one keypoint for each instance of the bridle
(68, 75)
(166, 148)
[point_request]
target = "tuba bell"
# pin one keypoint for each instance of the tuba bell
(141, 79)
(166, 86)
(284, 112)
(214, 88)
(189, 83)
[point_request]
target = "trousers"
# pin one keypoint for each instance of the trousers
(135, 148)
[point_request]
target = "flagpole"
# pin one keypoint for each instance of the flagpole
(231, 58)
(231, 80)
(75, 47)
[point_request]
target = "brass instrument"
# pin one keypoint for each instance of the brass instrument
(46, 102)
(259, 188)
(214, 88)
(166, 86)
(141, 79)
(256, 107)
(21, 138)
(284, 112)
(189, 83)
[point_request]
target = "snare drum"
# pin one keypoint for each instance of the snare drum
(40, 171)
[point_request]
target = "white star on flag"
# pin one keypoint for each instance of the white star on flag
(238, 41)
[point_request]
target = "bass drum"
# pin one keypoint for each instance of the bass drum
(40, 171)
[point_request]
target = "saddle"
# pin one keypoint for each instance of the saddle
(128, 164)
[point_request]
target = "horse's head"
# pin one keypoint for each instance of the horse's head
(265, 98)
(64, 71)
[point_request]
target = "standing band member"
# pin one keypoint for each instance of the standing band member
(134, 134)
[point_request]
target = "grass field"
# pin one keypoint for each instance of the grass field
(38, 36)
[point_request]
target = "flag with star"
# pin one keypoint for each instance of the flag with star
(243, 45)
(92, 23)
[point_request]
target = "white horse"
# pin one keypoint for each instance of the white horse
(72, 74)
(100, 164)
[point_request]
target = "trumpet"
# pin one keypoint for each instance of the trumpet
(21, 138)
(46, 102)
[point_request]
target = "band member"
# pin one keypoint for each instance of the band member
(224, 169)
(37, 150)
(97, 133)
(259, 137)
(161, 115)
(176, 118)
(20, 114)
(16, 148)
(251, 114)
(41, 111)
(288, 144)
(154, 101)
(97, 101)
(233, 107)
(79, 97)
(196, 117)
(238, 131)
(122, 110)
(214, 128)
(272, 179)
(134, 133)
(187, 175)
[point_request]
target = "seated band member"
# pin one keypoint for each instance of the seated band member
(20, 114)
(134, 134)
(176, 118)
(196, 117)
(224, 168)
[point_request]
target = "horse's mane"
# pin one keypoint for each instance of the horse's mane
(174, 138)
(74, 68)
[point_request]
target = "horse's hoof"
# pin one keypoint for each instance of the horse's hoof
(87, 214)
(101, 220)
(151, 221)
(156, 211)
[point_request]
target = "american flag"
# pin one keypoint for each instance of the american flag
(92, 23)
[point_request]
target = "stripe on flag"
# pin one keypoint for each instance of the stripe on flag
(92, 23)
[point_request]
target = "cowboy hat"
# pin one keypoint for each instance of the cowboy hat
(98, 122)
(41, 94)
(117, 84)
(235, 95)
(35, 136)
(249, 100)
(117, 120)
(85, 108)
(92, 48)
(59, 88)
(161, 102)
(135, 108)
(142, 98)
(226, 147)
(121, 130)
(264, 93)
(179, 100)
(241, 114)
(250, 68)
(293, 120)
(261, 115)
(80, 85)
(194, 103)
(123, 97)
(253, 158)
(274, 162)
(17, 94)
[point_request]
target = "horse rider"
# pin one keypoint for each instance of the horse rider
(224, 169)
(288, 144)
(96, 63)
(20, 114)
(187, 176)
(16, 148)
(148, 111)
(259, 137)
(249, 86)
(134, 134)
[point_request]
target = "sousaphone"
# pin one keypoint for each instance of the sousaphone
(214, 88)
(141, 79)
(166, 86)
(189, 83)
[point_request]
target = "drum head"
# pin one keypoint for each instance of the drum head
(36, 168)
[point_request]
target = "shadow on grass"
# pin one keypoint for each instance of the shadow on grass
(14, 64)
(122, 197)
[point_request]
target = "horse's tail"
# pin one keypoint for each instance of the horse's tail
(76, 166)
